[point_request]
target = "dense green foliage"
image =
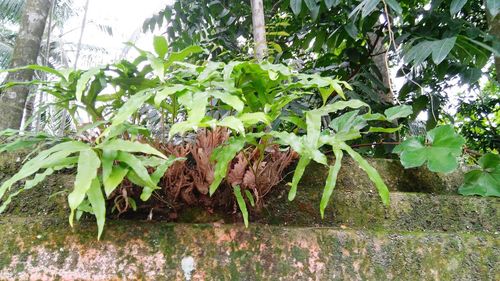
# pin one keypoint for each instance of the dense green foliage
(484, 181)
(256, 101)
(478, 118)
(327, 70)
(430, 43)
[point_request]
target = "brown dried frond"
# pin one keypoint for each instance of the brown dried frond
(264, 175)
(177, 176)
(206, 142)
(237, 171)
(187, 181)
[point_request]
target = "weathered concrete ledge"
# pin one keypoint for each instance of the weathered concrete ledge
(38, 249)
(355, 202)
(364, 209)
(427, 233)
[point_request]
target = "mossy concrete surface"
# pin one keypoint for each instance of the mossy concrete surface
(397, 178)
(427, 233)
(38, 249)
(364, 209)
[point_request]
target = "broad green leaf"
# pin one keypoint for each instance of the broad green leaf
(340, 105)
(368, 7)
(138, 167)
(115, 177)
(98, 204)
(400, 111)
(58, 163)
(228, 69)
(279, 68)
(55, 153)
(39, 177)
(129, 108)
(182, 127)
(331, 3)
(374, 117)
(151, 161)
(493, 7)
(18, 144)
(311, 4)
(394, 5)
(297, 121)
(372, 173)
(297, 175)
(88, 164)
(418, 53)
(135, 179)
(233, 123)
(441, 48)
(325, 93)
(161, 46)
(338, 89)
(456, 6)
(445, 137)
(132, 129)
(313, 117)
(253, 118)
(107, 159)
(162, 94)
(331, 181)
(37, 68)
(313, 122)
(224, 155)
(11, 84)
(412, 152)
(276, 47)
(157, 65)
(196, 104)
(441, 152)
(494, 50)
(334, 139)
(209, 70)
(471, 75)
(130, 146)
(229, 99)
(241, 204)
(385, 130)
(348, 121)
(290, 139)
(296, 6)
(81, 85)
(161, 169)
(484, 181)
(183, 54)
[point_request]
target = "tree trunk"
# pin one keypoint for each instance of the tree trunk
(259, 29)
(26, 49)
(379, 57)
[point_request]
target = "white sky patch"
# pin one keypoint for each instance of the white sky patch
(125, 17)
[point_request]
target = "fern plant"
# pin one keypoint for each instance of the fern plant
(255, 101)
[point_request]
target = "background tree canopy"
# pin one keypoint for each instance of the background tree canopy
(433, 47)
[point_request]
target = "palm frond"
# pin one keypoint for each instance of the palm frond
(5, 55)
(11, 10)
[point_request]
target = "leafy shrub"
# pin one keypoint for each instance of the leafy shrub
(245, 105)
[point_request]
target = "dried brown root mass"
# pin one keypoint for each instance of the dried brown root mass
(186, 182)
